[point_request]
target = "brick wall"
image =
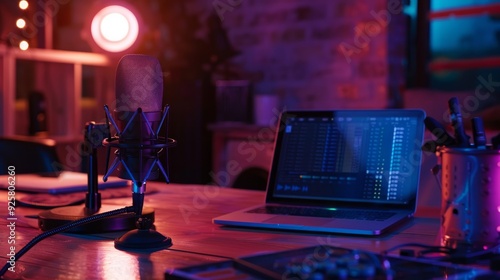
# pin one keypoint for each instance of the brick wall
(318, 54)
(310, 53)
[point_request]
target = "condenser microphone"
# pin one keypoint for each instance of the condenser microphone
(138, 119)
(138, 116)
(139, 84)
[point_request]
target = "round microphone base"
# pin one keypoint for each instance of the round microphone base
(143, 239)
(56, 217)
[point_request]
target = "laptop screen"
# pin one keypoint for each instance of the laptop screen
(348, 156)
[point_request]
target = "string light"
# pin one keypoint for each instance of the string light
(23, 4)
(21, 23)
(23, 45)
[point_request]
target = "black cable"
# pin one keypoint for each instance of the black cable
(65, 227)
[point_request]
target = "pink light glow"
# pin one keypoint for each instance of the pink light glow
(115, 28)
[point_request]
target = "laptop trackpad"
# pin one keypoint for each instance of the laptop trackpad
(298, 220)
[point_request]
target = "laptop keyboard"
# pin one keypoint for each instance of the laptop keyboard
(325, 213)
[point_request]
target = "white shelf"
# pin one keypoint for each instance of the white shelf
(66, 94)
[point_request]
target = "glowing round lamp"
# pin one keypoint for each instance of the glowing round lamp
(114, 28)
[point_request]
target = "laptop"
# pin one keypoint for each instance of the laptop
(341, 171)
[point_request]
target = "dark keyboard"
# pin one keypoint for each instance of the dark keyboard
(325, 213)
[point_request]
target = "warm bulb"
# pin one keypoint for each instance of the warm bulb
(21, 23)
(23, 45)
(23, 4)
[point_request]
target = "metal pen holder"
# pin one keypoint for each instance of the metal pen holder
(470, 207)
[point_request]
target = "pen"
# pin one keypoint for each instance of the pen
(430, 146)
(442, 136)
(461, 138)
(478, 133)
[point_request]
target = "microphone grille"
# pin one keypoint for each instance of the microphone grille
(139, 83)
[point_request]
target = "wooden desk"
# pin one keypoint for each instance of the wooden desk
(183, 212)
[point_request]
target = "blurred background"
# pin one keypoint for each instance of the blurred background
(230, 67)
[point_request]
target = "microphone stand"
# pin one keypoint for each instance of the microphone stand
(145, 236)
(93, 197)
(53, 218)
